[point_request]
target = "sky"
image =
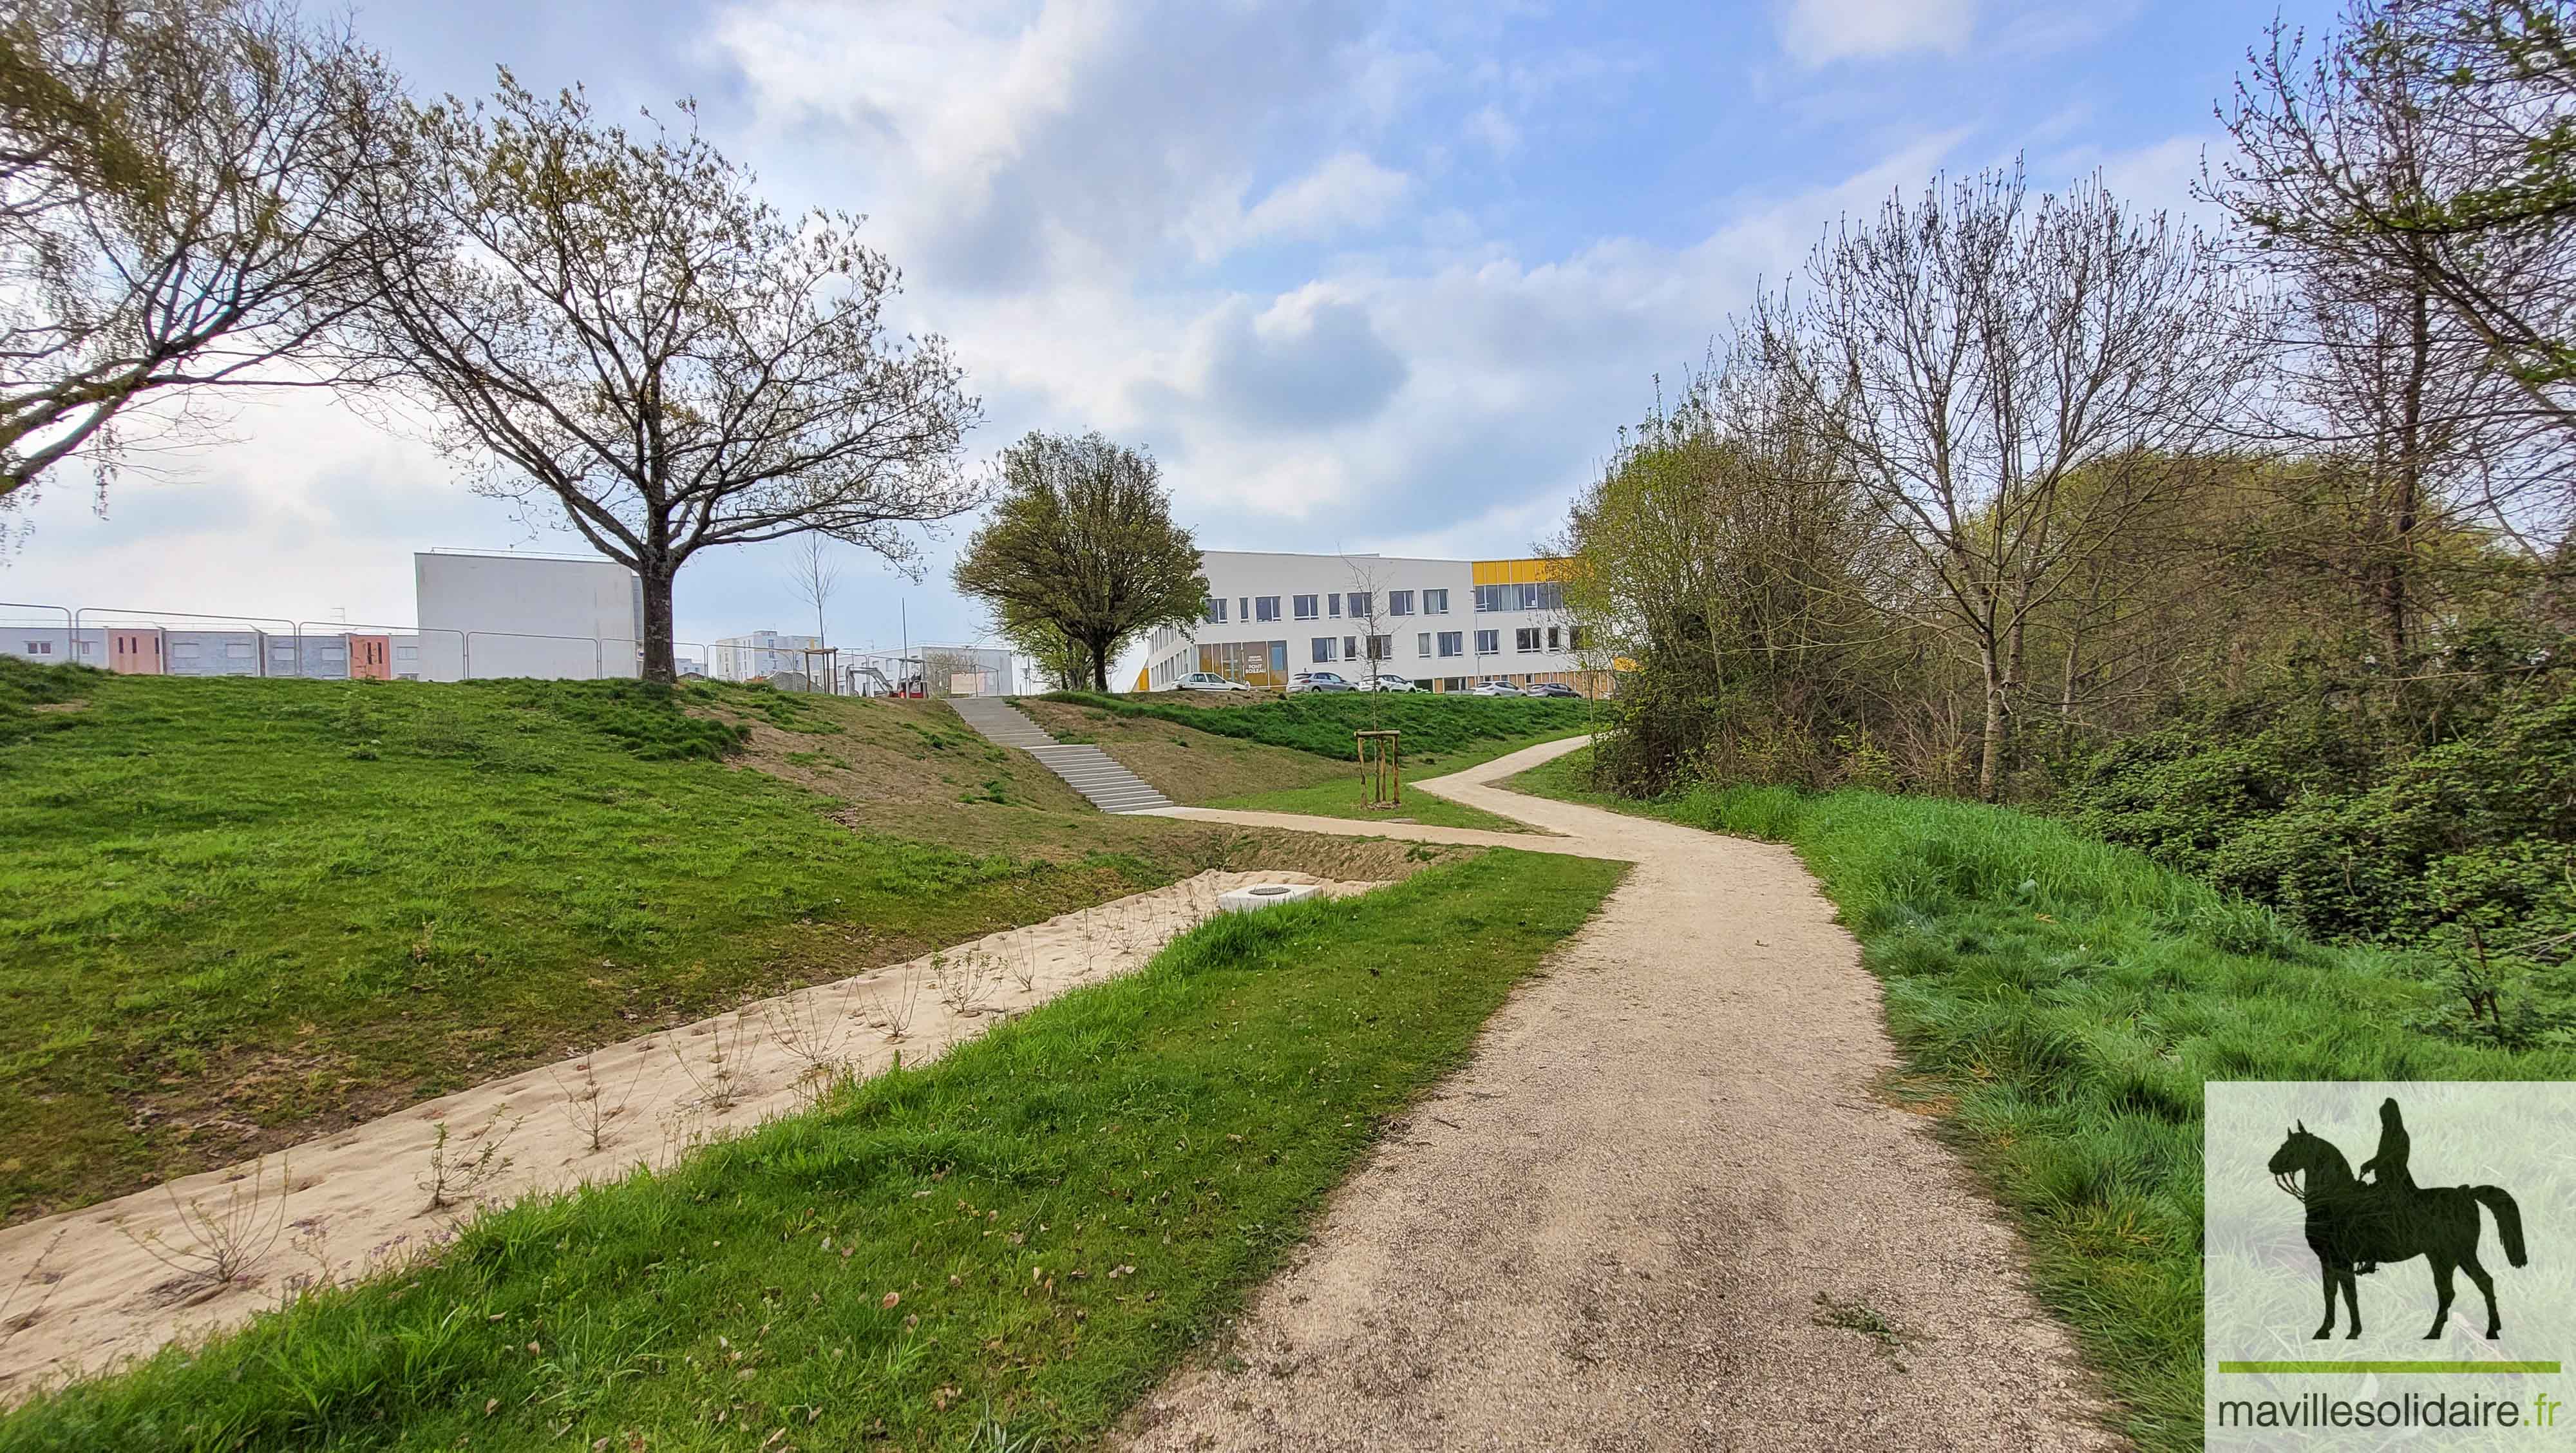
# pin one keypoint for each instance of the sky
(1362, 276)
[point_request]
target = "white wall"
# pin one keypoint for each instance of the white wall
(491, 615)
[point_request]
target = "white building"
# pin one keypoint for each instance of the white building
(764, 655)
(486, 614)
(1445, 624)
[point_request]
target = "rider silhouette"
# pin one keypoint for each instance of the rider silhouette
(2386, 1171)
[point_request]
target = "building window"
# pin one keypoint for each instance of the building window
(1489, 643)
(1552, 639)
(1265, 607)
(1574, 638)
(1323, 650)
(1333, 603)
(1381, 648)
(1453, 643)
(1546, 595)
(1435, 602)
(1306, 608)
(1359, 604)
(237, 651)
(1399, 602)
(1215, 611)
(1525, 639)
(406, 653)
(40, 648)
(184, 650)
(1243, 607)
(1422, 644)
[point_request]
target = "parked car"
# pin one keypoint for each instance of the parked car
(1495, 688)
(1551, 688)
(1318, 681)
(1207, 681)
(1386, 683)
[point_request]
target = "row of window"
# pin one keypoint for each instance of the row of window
(1546, 595)
(1443, 644)
(1358, 604)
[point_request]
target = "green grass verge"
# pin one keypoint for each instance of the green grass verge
(1343, 798)
(233, 910)
(1010, 1244)
(2061, 1002)
(1322, 723)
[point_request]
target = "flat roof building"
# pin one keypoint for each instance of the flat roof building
(1443, 624)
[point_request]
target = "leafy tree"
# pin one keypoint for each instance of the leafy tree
(1081, 551)
(619, 326)
(179, 189)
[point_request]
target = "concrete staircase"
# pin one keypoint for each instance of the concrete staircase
(1089, 770)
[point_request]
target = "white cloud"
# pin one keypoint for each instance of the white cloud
(1347, 192)
(1816, 32)
(1494, 130)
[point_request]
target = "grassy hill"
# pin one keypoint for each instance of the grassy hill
(238, 913)
(1296, 754)
(1321, 723)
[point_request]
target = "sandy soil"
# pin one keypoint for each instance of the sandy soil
(84, 1289)
(1666, 1207)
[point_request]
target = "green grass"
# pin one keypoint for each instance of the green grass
(2060, 1003)
(1017, 1240)
(1322, 723)
(235, 913)
(1344, 799)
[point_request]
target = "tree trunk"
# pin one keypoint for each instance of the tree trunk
(1990, 763)
(1099, 667)
(659, 661)
(2397, 567)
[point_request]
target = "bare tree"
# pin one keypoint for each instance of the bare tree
(1969, 355)
(619, 325)
(2413, 356)
(816, 578)
(179, 186)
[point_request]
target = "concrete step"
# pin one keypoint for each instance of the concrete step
(1082, 765)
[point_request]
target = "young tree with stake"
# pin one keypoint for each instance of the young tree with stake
(618, 325)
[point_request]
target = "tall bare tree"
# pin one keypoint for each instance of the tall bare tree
(2414, 352)
(1967, 355)
(619, 326)
(817, 578)
(179, 187)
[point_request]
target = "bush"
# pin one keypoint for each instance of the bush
(2294, 814)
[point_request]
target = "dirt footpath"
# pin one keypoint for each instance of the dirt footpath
(1665, 1207)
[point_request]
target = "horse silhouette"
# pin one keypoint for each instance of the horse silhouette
(2351, 1222)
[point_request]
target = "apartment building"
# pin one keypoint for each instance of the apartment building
(1444, 624)
(762, 655)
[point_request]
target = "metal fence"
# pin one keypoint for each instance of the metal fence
(280, 646)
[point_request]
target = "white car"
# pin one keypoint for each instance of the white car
(1318, 681)
(1386, 683)
(1496, 688)
(1207, 681)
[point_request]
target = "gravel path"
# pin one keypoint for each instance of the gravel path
(1665, 1207)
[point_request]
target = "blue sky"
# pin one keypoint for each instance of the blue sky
(1362, 275)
